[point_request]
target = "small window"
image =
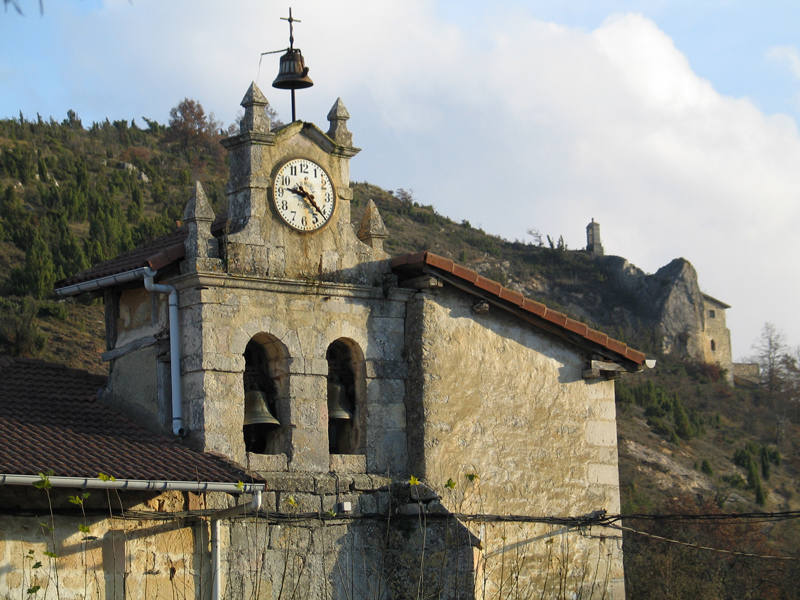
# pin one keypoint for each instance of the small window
(713, 346)
(712, 314)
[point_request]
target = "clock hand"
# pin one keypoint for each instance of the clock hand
(310, 197)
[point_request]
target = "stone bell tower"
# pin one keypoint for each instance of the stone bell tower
(259, 240)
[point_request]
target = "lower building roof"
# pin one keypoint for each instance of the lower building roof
(51, 420)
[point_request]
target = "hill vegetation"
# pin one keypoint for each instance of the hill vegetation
(689, 443)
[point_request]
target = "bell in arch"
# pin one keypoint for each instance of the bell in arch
(336, 409)
(256, 410)
(293, 72)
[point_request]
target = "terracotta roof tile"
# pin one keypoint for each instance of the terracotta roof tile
(161, 251)
(556, 317)
(488, 285)
(50, 419)
(464, 273)
(412, 263)
(532, 306)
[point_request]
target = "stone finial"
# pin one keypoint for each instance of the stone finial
(337, 116)
(255, 116)
(372, 230)
(198, 208)
(198, 216)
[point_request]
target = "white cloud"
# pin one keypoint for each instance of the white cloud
(520, 124)
(787, 55)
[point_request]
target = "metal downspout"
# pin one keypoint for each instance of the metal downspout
(253, 507)
(174, 346)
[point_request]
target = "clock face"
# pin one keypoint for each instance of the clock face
(303, 194)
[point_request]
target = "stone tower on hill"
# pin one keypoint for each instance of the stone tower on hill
(593, 243)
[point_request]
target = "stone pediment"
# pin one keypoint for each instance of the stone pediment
(314, 134)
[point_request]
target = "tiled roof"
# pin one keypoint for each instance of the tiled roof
(155, 254)
(434, 264)
(50, 419)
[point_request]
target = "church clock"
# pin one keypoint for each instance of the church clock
(303, 194)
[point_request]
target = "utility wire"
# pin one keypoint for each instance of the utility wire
(700, 547)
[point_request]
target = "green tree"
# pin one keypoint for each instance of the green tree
(38, 275)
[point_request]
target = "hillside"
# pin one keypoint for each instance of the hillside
(689, 443)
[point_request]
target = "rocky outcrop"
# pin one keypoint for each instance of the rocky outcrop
(680, 309)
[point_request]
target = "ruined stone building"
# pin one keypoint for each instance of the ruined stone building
(689, 323)
(290, 412)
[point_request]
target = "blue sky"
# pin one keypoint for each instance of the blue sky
(672, 123)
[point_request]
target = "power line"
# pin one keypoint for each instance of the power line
(700, 547)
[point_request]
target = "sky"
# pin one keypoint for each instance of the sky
(672, 123)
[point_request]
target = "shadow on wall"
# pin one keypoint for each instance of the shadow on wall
(414, 553)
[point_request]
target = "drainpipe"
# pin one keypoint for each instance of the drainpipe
(174, 346)
(147, 274)
(252, 507)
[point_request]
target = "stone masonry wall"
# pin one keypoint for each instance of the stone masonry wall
(716, 330)
(503, 413)
(220, 314)
(297, 546)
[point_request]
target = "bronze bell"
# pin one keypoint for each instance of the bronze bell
(336, 409)
(293, 73)
(256, 410)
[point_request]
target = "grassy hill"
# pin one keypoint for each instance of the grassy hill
(72, 195)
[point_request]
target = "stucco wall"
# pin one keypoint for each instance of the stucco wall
(502, 411)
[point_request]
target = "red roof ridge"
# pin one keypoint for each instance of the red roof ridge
(518, 300)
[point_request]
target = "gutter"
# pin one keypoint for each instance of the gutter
(102, 282)
(160, 485)
(147, 275)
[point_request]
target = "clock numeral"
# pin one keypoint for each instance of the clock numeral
(314, 218)
(304, 168)
(279, 192)
(304, 222)
(284, 204)
(286, 180)
(293, 169)
(294, 214)
(315, 175)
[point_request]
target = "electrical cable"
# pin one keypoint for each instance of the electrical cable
(700, 547)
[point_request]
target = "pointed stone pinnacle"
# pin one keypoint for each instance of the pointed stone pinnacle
(255, 116)
(338, 111)
(338, 116)
(253, 96)
(198, 208)
(372, 231)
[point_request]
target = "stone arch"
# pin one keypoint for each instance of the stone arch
(265, 383)
(347, 406)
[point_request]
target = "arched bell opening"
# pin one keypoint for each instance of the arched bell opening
(346, 391)
(266, 383)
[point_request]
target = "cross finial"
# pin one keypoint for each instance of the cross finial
(291, 29)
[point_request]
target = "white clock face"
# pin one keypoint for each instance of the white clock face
(303, 194)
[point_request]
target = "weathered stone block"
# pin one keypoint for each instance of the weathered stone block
(603, 474)
(348, 463)
(601, 433)
(298, 502)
